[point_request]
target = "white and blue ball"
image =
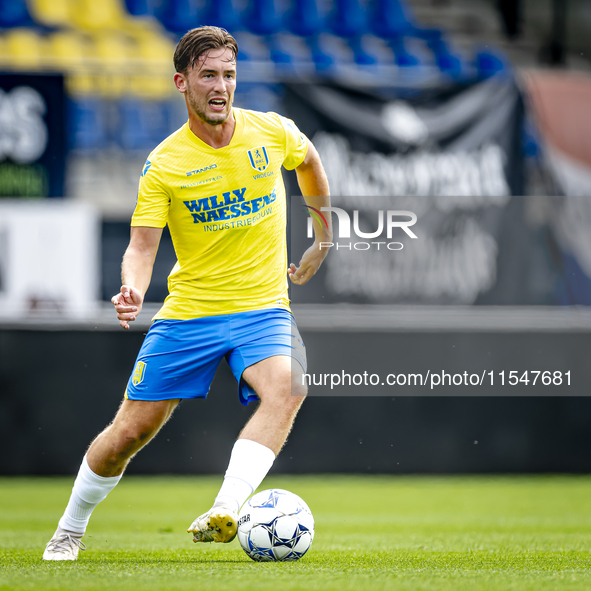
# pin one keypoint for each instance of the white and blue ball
(275, 525)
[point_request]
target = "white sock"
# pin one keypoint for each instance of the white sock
(249, 463)
(88, 491)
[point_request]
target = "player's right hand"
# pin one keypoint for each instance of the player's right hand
(128, 304)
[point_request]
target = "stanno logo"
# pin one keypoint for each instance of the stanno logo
(258, 158)
(199, 170)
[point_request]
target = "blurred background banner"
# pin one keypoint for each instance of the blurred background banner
(452, 155)
(460, 142)
(48, 260)
(32, 135)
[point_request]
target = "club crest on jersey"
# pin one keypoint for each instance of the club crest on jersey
(138, 374)
(258, 158)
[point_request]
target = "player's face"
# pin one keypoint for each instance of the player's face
(211, 84)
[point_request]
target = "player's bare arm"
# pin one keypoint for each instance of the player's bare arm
(314, 186)
(136, 272)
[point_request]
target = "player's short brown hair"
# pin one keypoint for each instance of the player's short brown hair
(199, 41)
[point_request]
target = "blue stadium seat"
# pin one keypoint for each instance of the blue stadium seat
(142, 124)
(362, 57)
(14, 13)
(261, 18)
(222, 13)
(87, 124)
(446, 61)
(139, 7)
(279, 52)
(389, 19)
(489, 63)
(348, 19)
(322, 60)
(402, 57)
(303, 19)
(259, 96)
(179, 16)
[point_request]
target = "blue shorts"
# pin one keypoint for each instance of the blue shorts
(179, 358)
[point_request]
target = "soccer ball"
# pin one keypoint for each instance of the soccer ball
(275, 525)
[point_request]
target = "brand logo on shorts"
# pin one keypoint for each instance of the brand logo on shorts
(139, 373)
(258, 158)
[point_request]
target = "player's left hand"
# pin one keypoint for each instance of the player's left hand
(309, 265)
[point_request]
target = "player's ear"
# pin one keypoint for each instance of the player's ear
(180, 81)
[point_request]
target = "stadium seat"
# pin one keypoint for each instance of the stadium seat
(258, 96)
(329, 51)
(261, 18)
(348, 19)
(402, 57)
(87, 119)
(139, 7)
(142, 124)
(323, 60)
(251, 48)
(153, 79)
(391, 18)
(106, 14)
(68, 49)
(25, 48)
(114, 49)
(489, 63)
(14, 13)
(179, 16)
(4, 57)
(304, 19)
(117, 58)
(155, 45)
(446, 61)
(388, 19)
(52, 13)
(222, 13)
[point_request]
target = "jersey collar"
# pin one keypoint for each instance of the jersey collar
(238, 118)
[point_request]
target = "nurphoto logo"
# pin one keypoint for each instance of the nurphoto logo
(388, 220)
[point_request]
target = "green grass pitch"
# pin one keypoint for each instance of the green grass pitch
(372, 532)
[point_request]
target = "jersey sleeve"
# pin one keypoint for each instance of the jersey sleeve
(296, 144)
(153, 200)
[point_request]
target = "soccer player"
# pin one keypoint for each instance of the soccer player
(217, 183)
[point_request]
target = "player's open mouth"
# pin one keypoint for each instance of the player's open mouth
(217, 104)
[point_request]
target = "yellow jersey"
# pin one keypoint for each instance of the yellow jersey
(226, 211)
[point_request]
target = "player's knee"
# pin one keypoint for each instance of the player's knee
(298, 390)
(294, 390)
(298, 386)
(132, 438)
(294, 396)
